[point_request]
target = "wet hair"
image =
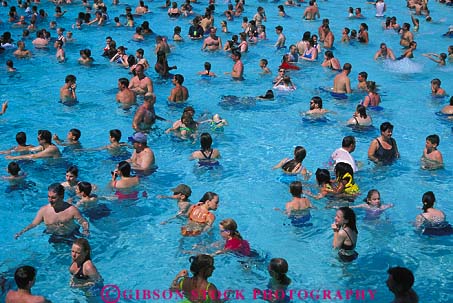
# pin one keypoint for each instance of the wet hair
(125, 168)
(348, 141)
(124, 81)
(364, 25)
(436, 81)
(364, 75)
(403, 277)
(85, 187)
(347, 66)
(177, 30)
(279, 266)
(199, 264)
(13, 168)
(45, 135)
(9, 63)
(349, 214)
(264, 61)
(208, 196)
(231, 226)
(428, 200)
(317, 100)
(73, 170)
(328, 54)
(451, 100)
(24, 275)
(342, 168)
(76, 133)
(116, 134)
(306, 36)
(70, 78)
(322, 176)
(295, 188)
(21, 138)
(347, 30)
(85, 246)
(205, 141)
(369, 194)
(361, 109)
(434, 139)
(443, 56)
(386, 126)
(371, 86)
(179, 78)
(56, 188)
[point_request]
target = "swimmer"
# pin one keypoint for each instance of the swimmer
(10, 66)
(294, 166)
(432, 218)
(125, 96)
(330, 61)
(140, 83)
(264, 68)
(15, 173)
(84, 272)
(58, 215)
(126, 180)
(409, 53)
(4, 108)
(310, 52)
(72, 138)
(329, 38)
(278, 282)
(343, 154)
(206, 156)
(185, 127)
(360, 117)
(200, 218)
(234, 241)
(45, 149)
(373, 98)
(212, 42)
(25, 277)
(68, 90)
(400, 282)
(345, 35)
(341, 82)
(316, 107)
(281, 37)
(436, 90)
(161, 67)
(179, 93)
(83, 192)
(216, 122)
(362, 78)
(224, 25)
(207, 70)
(448, 109)
(197, 286)
(373, 204)
(363, 34)
(345, 180)
(324, 183)
(21, 52)
(142, 158)
(145, 116)
(384, 52)
(121, 57)
(139, 55)
(298, 207)
(406, 36)
(238, 68)
(181, 193)
(384, 149)
(85, 57)
(177, 34)
(345, 234)
(72, 173)
(432, 158)
(269, 95)
(440, 59)
(284, 83)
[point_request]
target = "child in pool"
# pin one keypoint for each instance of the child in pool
(264, 68)
(345, 180)
(298, 203)
(373, 204)
(294, 166)
(83, 191)
(15, 173)
(324, 183)
(432, 158)
(234, 241)
(279, 281)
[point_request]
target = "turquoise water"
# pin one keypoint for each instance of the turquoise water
(134, 251)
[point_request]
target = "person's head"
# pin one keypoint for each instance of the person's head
(373, 198)
(235, 55)
(406, 26)
(363, 26)
(190, 110)
(342, 168)
(183, 190)
(140, 53)
(123, 82)
(115, 134)
(358, 11)
(71, 174)
(211, 199)
(345, 217)
(139, 139)
(322, 176)
(348, 143)
(81, 250)
(279, 28)
(386, 127)
(58, 44)
(44, 136)
(177, 30)
(13, 168)
(278, 268)
(229, 228)
(347, 67)
(346, 31)
(149, 99)
(25, 277)
(413, 45)
(443, 56)
(74, 134)
(124, 168)
(400, 280)
(84, 188)
(433, 141)
(202, 265)
(328, 54)
(361, 110)
(435, 83)
(205, 141)
(363, 76)
(299, 154)
(55, 193)
(178, 78)
(451, 101)
(21, 138)
(295, 188)
(316, 103)
(70, 79)
(428, 200)
(263, 62)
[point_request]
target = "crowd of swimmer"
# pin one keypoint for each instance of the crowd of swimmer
(61, 216)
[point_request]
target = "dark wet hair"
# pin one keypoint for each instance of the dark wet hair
(76, 133)
(199, 264)
(369, 194)
(208, 196)
(434, 139)
(342, 168)
(24, 275)
(295, 188)
(70, 78)
(322, 176)
(115, 133)
(45, 135)
(85, 187)
(21, 138)
(280, 267)
(85, 246)
(125, 168)
(347, 66)
(349, 214)
(205, 141)
(207, 66)
(428, 200)
(306, 36)
(124, 81)
(361, 109)
(179, 78)
(73, 170)
(436, 81)
(364, 75)
(56, 188)
(13, 168)
(329, 54)
(317, 100)
(348, 141)
(403, 277)
(386, 126)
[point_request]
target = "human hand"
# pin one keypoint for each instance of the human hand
(183, 273)
(4, 106)
(335, 227)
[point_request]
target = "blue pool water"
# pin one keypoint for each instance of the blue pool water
(134, 251)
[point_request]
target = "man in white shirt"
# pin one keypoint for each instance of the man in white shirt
(343, 154)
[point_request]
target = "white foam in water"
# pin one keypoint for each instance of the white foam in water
(404, 66)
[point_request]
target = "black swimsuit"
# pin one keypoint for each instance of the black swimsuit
(386, 155)
(347, 252)
(79, 274)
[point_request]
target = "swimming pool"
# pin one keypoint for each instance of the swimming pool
(134, 251)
